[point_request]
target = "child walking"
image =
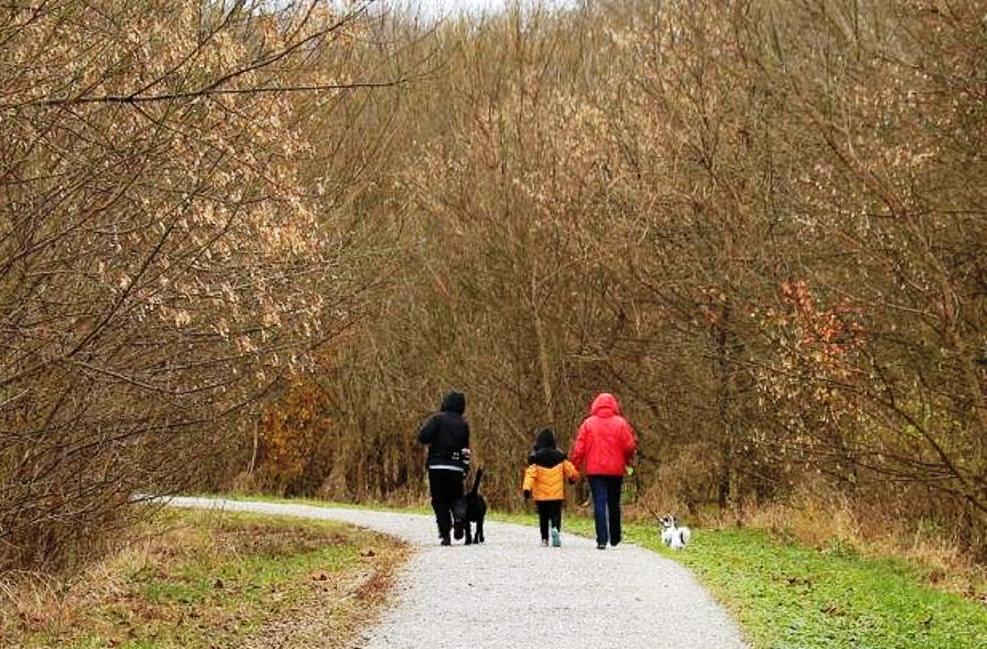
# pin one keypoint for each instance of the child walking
(544, 480)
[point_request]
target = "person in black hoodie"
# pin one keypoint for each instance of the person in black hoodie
(447, 435)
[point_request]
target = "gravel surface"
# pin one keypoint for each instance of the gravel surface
(511, 592)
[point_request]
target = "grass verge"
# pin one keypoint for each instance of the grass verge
(208, 579)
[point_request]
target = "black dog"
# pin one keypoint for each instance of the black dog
(471, 508)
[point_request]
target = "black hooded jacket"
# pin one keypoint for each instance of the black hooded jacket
(447, 434)
(546, 452)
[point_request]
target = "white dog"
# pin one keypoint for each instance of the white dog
(672, 534)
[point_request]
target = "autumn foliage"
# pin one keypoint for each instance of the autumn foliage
(251, 244)
(762, 224)
(170, 245)
(293, 442)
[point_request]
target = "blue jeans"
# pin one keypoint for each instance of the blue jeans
(606, 507)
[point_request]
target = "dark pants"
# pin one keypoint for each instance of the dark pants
(549, 513)
(606, 507)
(445, 487)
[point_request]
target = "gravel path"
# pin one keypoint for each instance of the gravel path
(511, 592)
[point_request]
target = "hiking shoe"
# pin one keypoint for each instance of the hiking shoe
(601, 546)
(556, 538)
(445, 541)
(544, 543)
(458, 531)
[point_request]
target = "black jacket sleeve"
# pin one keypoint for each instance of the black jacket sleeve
(427, 433)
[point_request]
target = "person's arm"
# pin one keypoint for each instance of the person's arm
(529, 481)
(578, 454)
(570, 471)
(426, 435)
(630, 442)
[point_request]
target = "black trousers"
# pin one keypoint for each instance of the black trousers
(445, 486)
(549, 514)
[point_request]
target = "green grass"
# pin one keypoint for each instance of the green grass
(788, 596)
(204, 579)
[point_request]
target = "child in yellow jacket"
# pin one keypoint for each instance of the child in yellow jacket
(544, 480)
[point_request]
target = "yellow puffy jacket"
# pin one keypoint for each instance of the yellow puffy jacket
(546, 475)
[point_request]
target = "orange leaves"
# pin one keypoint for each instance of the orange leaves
(797, 293)
(813, 358)
(828, 333)
(294, 435)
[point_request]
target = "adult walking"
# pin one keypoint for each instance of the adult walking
(447, 435)
(602, 450)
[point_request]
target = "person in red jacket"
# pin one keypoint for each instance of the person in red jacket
(602, 450)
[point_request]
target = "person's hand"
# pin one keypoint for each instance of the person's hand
(527, 494)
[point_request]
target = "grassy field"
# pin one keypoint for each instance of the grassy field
(787, 596)
(200, 579)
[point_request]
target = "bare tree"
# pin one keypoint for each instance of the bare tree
(166, 255)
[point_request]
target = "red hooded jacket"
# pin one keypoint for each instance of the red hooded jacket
(605, 443)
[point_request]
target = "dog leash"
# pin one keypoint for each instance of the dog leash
(652, 512)
(636, 475)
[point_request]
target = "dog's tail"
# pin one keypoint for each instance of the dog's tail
(476, 482)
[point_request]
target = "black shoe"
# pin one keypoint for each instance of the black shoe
(457, 532)
(444, 539)
(601, 546)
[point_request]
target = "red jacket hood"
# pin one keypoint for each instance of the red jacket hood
(605, 405)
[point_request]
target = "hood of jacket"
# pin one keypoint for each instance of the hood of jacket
(605, 405)
(454, 402)
(545, 439)
(546, 451)
(547, 457)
